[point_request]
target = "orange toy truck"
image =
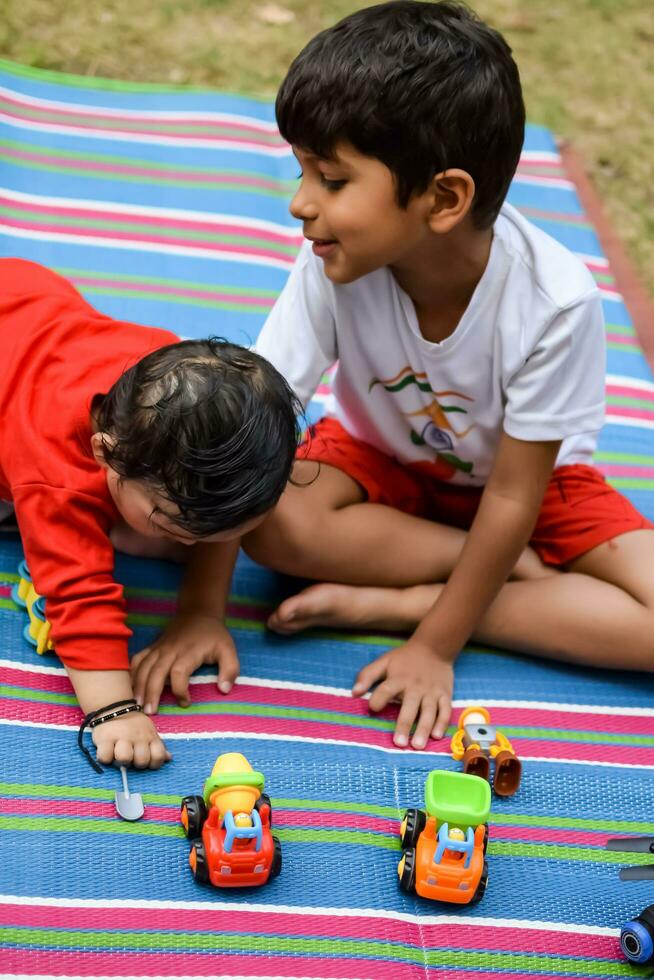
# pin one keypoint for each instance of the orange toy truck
(445, 848)
(229, 826)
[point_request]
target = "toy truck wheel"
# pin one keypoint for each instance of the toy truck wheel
(481, 887)
(264, 798)
(276, 866)
(406, 870)
(637, 938)
(411, 828)
(485, 838)
(192, 814)
(198, 861)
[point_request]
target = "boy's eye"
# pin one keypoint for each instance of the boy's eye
(332, 185)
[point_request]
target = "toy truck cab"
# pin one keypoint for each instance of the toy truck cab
(230, 827)
(444, 848)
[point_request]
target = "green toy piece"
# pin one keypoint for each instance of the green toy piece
(457, 799)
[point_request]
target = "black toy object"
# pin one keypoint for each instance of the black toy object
(637, 935)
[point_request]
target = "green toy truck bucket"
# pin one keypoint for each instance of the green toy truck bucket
(457, 798)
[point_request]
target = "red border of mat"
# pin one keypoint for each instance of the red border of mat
(637, 300)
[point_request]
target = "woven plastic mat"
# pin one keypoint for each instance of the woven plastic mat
(169, 208)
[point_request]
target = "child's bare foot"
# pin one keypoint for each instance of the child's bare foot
(351, 606)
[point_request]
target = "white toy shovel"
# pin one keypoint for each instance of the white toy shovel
(129, 806)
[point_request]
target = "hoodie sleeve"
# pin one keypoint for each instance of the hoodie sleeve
(71, 560)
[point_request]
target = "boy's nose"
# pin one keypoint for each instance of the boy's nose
(302, 208)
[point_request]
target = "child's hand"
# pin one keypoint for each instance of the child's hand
(414, 674)
(130, 739)
(188, 641)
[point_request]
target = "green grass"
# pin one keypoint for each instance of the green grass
(585, 66)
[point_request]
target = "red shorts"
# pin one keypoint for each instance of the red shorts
(579, 510)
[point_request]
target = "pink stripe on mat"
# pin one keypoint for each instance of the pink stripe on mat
(631, 391)
(131, 170)
(612, 469)
(113, 234)
(172, 964)
(155, 221)
(321, 819)
(218, 136)
(445, 936)
(206, 693)
(625, 340)
(249, 124)
(137, 287)
(45, 714)
(622, 411)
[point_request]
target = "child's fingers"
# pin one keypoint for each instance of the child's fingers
(180, 672)
(159, 754)
(123, 751)
(141, 671)
(104, 750)
(428, 715)
(406, 718)
(443, 716)
(387, 691)
(159, 669)
(229, 668)
(137, 659)
(141, 755)
(369, 675)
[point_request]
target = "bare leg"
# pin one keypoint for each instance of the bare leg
(600, 613)
(323, 529)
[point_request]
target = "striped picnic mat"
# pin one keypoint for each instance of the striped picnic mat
(169, 208)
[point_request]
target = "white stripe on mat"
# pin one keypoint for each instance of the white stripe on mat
(306, 740)
(267, 682)
(335, 912)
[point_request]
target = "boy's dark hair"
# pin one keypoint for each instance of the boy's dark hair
(423, 87)
(210, 425)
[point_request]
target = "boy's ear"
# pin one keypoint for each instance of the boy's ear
(99, 440)
(453, 192)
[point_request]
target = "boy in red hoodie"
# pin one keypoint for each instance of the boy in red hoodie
(113, 433)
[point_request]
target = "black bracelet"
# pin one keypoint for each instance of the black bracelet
(98, 717)
(114, 714)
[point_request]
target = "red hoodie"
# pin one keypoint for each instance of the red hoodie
(56, 354)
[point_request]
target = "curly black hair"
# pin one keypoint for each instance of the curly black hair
(210, 425)
(423, 87)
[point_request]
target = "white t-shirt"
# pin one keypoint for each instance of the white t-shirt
(527, 357)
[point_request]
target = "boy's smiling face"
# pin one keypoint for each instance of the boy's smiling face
(349, 210)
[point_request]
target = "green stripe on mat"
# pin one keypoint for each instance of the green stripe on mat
(256, 710)
(234, 291)
(220, 179)
(178, 941)
(159, 126)
(148, 294)
(630, 483)
(333, 806)
(638, 459)
(625, 348)
(311, 835)
(630, 402)
(215, 185)
(154, 232)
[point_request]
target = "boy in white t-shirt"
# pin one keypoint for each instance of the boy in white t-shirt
(470, 381)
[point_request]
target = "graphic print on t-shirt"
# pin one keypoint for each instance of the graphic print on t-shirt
(437, 431)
